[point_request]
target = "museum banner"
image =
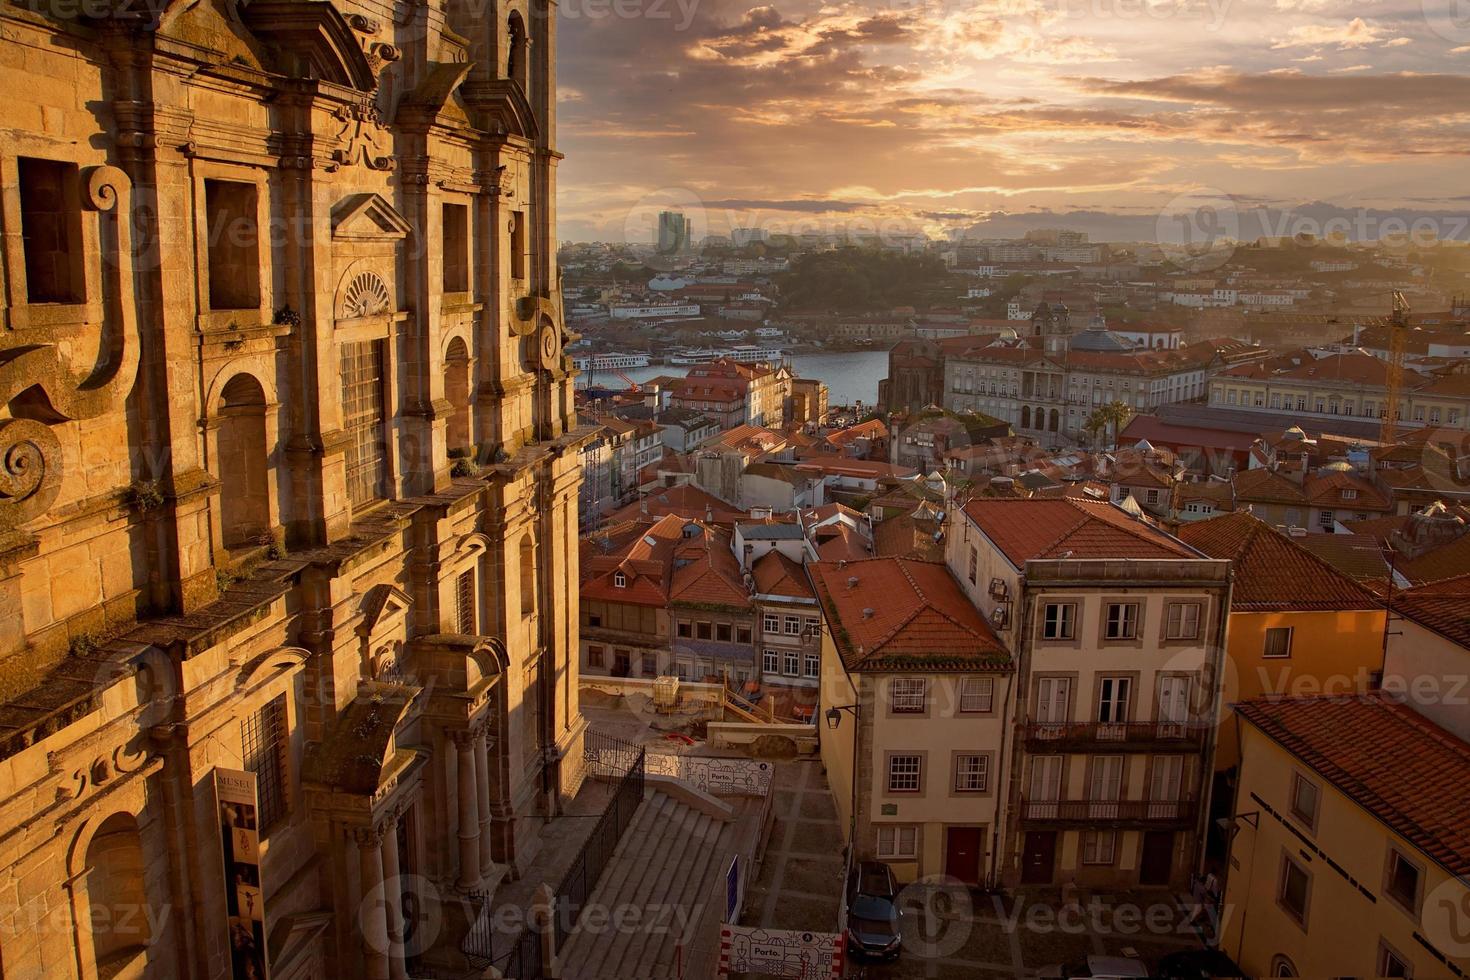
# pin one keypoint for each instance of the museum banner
(239, 823)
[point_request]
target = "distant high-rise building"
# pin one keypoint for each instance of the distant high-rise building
(673, 232)
(748, 236)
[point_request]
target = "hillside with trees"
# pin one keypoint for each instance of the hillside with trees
(853, 280)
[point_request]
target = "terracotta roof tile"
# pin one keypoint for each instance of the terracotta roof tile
(1273, 574)
(904, 615)
(1263, 486)
(1054, 528)
(775, 574)
(1327, 491)
(1406, 771)
(1443, 607)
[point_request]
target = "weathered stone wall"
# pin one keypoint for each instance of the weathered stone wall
(284, 487)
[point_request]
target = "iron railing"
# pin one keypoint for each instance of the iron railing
(624, 764)
(587, 867)
(1108, 811)
(1113, 735)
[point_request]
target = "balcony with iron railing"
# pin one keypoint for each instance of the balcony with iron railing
(1132, 736)
(1109, 813)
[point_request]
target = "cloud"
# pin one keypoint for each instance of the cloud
(934, 108)
(1356, 33)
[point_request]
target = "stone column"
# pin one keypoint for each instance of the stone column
(482, 774)
(371, 917)
(393, 900)
(469, 811)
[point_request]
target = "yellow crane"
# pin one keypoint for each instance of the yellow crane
(1398, 338)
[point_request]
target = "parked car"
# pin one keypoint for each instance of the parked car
(1197, 964)
(1099, 967)
(872, 915)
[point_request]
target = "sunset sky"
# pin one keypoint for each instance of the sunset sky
(942, 113)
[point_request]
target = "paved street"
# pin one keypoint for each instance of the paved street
(948, 932)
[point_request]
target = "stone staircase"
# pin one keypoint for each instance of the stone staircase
(666, 868)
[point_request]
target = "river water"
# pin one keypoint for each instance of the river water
(850, 376)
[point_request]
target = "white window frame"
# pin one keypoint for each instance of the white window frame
(1127, 626)
(1062, 625)
(791, 663)
(1178, 625)
(793, 626)
(1307, 816)
(898, 842)
(1099, 847)
(771, 661)
(1277, 631)
(908, 695)
(620, 581)
(905, 773)
(811, 666)
(977, 695)
(772, 622)
(972, 773)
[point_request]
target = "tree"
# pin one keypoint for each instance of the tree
(1111, 418)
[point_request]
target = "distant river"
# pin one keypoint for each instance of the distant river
(849, 376)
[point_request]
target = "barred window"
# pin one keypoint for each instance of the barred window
(363, 420)
(263, 737)
(464, 596)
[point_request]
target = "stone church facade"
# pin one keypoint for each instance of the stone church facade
(288, 482)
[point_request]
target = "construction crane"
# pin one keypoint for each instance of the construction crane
(1398, 339)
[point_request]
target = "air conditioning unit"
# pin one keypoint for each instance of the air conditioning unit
(1000, 616)
(999, 589)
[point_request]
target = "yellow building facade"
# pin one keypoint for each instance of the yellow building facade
(1348, 856)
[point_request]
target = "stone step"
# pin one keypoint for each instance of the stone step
(635, 863)
(691, 886)
(671, 863)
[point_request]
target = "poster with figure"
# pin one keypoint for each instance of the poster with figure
(239, 832)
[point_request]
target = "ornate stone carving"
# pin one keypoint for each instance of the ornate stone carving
(366, 295)
(363, 137)
(30, 455)
(30, 469)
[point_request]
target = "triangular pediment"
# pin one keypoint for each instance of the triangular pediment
(312, 39)
(384, 605)
(367, 217)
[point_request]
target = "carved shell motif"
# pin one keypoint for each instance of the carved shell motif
(366, 295)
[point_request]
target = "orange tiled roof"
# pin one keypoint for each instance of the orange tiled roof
(685, 500)
(903, 615)
(1272, 573)
(668, 560)
(775, 574)
(1398, 765)
(1326, 491)
(1442, 606)
(1264, 486)
(839, 542)
(1067, 527)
